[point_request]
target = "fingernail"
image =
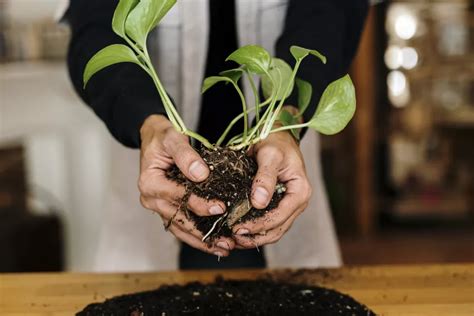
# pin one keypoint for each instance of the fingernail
(198, 170)
(242, 231)
(216, 210)
(260, 196)
(218, 254)
(223, 245)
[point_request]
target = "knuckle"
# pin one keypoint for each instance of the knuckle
(307, 190)
(272, 152)
(275, 238)
(144, 185)
(145, 202)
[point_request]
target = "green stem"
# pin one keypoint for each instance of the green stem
(285, 128)
(269, 124)
(244, 108)
(272, 100)
(257, 97)
(199, 138)
(171, 111)
(164, 96)
(236, 119)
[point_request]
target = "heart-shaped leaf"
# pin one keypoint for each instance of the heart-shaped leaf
(305, 91)
(254, 57)
(211, 81)
(120, 16)
(144, 17)
(233, 74)
(336, 107)
(286, 119)
(281, 73)
(299, 53)
(108, 56)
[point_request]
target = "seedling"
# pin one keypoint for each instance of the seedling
(133, 20)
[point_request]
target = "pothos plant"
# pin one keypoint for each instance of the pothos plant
(133, 21)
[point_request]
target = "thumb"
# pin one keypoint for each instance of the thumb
(265, 180)
(188, 160)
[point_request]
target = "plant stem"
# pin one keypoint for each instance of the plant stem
(285, 128)
(236, 119)
(269, 124)
(272, 100)
(257, 97)
(164, 96)
(171, 111)
(199, 138)
(244, 108)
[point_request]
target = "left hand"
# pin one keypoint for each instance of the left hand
(280, 160)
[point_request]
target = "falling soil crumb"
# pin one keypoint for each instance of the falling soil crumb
(230, 181)
(260, 297)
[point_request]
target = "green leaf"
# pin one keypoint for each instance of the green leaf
(299, 53)
(254, 57)
(336, 107)
(287, 119)
(281, 73)
(211, 81)
(233, 74)
(108, 56)
(144, 17)
(305, 91)
(120, 16)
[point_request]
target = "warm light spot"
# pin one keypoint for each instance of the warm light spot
(405, 26)
(397, 82)
(393, 57)
(398, 91)
(409, 57)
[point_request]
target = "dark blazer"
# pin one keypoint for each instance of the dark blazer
(123, 95)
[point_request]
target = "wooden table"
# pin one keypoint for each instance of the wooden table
(388, 290)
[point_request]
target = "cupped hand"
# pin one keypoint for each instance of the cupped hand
(161, 148)
(279, 160)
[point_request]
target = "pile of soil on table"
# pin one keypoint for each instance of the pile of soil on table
(230, 181)
(260, 297)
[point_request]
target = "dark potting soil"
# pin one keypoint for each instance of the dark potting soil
(230, 181)
(261, 297)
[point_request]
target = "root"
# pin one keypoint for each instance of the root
(213, 227)
(181, 207)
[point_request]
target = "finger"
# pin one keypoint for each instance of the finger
(155, 184)
(169, 213)
(159, 187)
(274, 218)
(269, 160)
(197, 243)
(186, 158)
(268, 237)
(202, 207)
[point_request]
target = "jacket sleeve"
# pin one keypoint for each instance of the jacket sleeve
(123, 95)
(333, 27)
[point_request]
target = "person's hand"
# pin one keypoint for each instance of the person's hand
(280, 160)
(162, 147)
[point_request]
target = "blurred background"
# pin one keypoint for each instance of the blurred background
(400, 179)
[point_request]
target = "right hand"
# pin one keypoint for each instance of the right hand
(161, 148)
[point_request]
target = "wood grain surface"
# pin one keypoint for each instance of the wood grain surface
(388, 290)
